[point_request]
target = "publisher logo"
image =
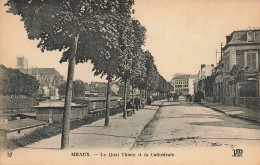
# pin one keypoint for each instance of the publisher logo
(237, 153)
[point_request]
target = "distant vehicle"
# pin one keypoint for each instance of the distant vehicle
(188, 97)
(175, 97)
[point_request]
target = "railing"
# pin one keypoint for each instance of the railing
(249, 102)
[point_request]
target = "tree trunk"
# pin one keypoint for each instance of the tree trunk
(140, 101)
(73, 91)
(108, 102)
(133, 97)
(147, 95)
(68, 97)
(235, 93)
(125, 91)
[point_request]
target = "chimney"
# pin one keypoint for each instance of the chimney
(228, 39)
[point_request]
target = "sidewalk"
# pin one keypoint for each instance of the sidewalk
(121, 133)
(234, 111)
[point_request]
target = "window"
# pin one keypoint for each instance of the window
(251, 60)
(250, 36)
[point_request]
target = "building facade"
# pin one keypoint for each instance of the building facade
(237, 74)
(202, 81)
(183, 83)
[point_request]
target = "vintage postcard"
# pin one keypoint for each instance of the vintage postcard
(129, 82)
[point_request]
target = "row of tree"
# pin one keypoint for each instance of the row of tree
(78, 89)
(102, 32)
(13, 82)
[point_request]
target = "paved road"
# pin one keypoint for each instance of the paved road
(191, 133)
(182, 124)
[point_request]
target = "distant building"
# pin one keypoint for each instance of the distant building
(102, 91)
(115, 88)
(22, 63)
(183, 83)
(201, 81)
(52, 111)
(49, 78)
(196, 83)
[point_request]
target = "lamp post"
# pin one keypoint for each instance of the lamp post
(221, 50)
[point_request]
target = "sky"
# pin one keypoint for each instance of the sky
(181, 35)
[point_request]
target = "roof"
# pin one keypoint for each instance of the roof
(183, 76)
(240, 37)
(55, 104)
(193, 76)
(20, 124)
(47, 71)
(40, 71)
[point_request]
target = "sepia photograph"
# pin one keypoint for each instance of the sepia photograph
(129, 82)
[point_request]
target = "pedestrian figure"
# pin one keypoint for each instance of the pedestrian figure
(149, 101)
(137, 103)
(198, 96)
(168, 96)
(175, 97)
(129, 104)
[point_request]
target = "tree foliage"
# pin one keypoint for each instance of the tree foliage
(78, 88)
(14, 82)
(99, 31)
(236, 72)
(62, 89)
(79, 28)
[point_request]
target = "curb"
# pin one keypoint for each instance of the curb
(233, 116)
(147, 124)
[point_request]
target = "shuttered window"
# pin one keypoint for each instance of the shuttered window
(251, 60)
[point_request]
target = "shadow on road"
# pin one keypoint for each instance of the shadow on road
(104, 135)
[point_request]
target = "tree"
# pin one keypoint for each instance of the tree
(65, 26)
(125, 67)
(138, 72)
(138, 60)
(14, 82)
(209, 81)
(62, 89)
(109, 58)
(236, 73)
(78, 88)
(149, 62)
